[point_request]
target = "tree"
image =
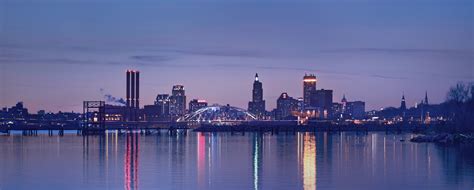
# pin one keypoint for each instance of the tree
(461, 103)
(460, 93)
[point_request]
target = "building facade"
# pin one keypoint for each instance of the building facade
(178, 101)
(356, 109)
(196, 104)
(309, 89)
(285, 106)
(257, 105)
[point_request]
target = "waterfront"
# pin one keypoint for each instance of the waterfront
(345, 160)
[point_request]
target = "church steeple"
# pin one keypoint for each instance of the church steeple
(426, 97)
(403, 105)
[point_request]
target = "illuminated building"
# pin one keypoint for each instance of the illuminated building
(300, 104)
(162, 104)
(178, 101)
(403, 105)
(285, 106)
(344, 103)
(114, 112)
(257, 105)
(309, 88)
(336, 110)
(196, 104)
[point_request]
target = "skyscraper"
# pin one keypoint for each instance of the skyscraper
(163, 103)
(309, 88)
(403, 105)
(257, 105)
(178, 101)
(322, 99)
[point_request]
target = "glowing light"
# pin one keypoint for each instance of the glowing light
(309, 162)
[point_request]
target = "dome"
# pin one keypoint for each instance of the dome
(219, 115)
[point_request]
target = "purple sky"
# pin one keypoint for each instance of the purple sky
(57, 53)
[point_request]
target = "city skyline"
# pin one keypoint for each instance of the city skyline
(64, 56)
(114, 99)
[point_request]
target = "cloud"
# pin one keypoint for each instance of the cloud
(322, 71)
(221, 52)
(398, 50)
(152, 58)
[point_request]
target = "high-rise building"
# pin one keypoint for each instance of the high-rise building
(178, 101)
(285, 106)
(196, 104)
(309, 88)
(321, 102)
(132, 95)
(322, 99)
(403, 105)
(163, 104)
(257, 105)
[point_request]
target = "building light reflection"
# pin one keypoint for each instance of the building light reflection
(131, 162)
(307, 159)
(257, 160)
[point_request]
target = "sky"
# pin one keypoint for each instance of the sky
(54, 54)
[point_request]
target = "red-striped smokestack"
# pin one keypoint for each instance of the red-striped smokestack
(128, 88)
(137, 89)
(133, 89)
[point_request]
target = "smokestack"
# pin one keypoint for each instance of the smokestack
(137, 92)
(128, 88)
(133, 89)
(127, 110)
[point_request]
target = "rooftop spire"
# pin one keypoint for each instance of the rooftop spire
(403, 105)
(256, 76)
(426, 97)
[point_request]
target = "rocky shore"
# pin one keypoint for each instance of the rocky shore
(445, 138)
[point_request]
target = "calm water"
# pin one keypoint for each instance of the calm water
(224, 161)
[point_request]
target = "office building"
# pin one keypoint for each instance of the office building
(178, 101)
(196, 104)
(285, 106)
(309, 88)
(257, 105)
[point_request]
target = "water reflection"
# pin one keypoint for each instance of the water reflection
(307, 159)
(201, 160)
(225, 161)
(257, 153)
(132, 149)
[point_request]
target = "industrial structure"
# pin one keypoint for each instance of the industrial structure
(132, 96)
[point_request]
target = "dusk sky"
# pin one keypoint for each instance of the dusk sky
(54, 54)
